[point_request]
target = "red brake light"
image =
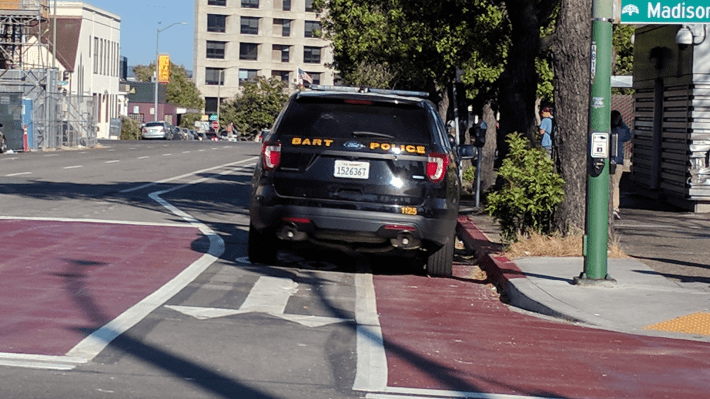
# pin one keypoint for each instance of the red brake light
(271, 154)
(436, 166)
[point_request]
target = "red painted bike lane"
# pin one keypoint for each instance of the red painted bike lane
(60, 281)
(456, 334)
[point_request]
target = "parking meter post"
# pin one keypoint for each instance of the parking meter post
(479, 158)
(595, 251)
(479, 142)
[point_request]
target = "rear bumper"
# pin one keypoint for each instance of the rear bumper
(153, 135)
(352, 226)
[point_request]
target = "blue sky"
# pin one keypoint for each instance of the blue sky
(139, 26)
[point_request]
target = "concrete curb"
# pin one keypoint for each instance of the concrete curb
(507, 276)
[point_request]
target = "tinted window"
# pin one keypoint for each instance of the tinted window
(337, 119)
(215, 49)
(248, 51)
(311, 28)
(216, 23)
(311, 55)
(250, 26)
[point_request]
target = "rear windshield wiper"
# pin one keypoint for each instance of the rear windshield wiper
(373, 134)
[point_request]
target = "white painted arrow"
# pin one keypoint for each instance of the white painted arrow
(269, 295)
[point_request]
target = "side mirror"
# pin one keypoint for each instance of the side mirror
(467, 151)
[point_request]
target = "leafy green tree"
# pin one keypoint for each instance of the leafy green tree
(130, 129)
(257, 107)
(419, 43)
(188, 120)
(181, 90)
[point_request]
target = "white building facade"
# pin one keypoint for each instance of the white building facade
(236, 40)
(87, 57)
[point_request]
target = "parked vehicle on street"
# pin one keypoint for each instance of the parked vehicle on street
(3, 142)
(156, 130)
(373, 172)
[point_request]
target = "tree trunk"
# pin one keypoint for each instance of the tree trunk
(519, 79)
(571, 49)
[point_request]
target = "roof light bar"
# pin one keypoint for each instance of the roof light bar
(348, 89)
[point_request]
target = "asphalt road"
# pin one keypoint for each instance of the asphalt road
(308, 327)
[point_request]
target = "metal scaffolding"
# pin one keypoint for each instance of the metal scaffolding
(34, 114)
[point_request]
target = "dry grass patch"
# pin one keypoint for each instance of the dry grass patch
(555, 245)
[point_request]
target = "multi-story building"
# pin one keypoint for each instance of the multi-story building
(236, 40)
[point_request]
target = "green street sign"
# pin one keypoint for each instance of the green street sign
(665, 12)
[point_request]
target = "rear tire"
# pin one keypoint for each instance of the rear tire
(262, 246)
(441, 262)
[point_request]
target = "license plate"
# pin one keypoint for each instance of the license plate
(351, 169)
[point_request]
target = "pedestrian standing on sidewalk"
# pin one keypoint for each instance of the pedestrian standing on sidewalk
(546, 130)
(623, 133)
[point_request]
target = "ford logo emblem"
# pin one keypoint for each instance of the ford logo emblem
(353, 145)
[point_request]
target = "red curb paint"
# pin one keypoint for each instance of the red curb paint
(499, 268)
(61, 281)
(449, 334)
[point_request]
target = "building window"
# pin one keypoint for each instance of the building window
(250, 3)
(246, 75)
(284, 76)
(217, 2)
(312, 29)
(316, 77)
(311, 55)
(248, 51)
(280, 53)
(214, 76)
(216, 23)
(250, 26)
(96, 55)
(216, 49)
(282, 27)
(282, 5)
(210, 105)
(309, 5)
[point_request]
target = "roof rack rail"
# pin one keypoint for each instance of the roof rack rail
(349, 89)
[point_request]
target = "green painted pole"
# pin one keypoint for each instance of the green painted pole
(597, 225)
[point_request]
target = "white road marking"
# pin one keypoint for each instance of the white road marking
(144, 157)
(371, 372)
(114, 161)
(18, 174)
(73, 167)
(404, 393)
(167, 155)
(269, 295)
(92, 345)
(188, 174)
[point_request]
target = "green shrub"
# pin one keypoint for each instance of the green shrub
(469, 175)
(530, 193)
(130, 129)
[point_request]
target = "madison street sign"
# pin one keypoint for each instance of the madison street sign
(665, 11)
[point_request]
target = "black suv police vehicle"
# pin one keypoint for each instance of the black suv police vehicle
(371, 171)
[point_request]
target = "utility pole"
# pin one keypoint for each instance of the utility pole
(597, 222)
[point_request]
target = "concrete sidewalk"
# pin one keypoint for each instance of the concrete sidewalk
(640, 302)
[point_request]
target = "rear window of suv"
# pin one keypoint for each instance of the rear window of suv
(348, 118)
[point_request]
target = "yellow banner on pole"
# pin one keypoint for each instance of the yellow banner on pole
(163, 68)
